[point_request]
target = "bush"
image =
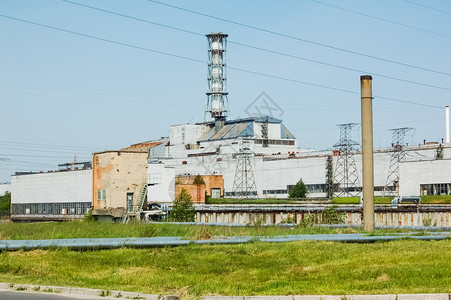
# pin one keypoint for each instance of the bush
(299, 190)
(331, 215)
(88, 217)
(309, 220)
(183, 209)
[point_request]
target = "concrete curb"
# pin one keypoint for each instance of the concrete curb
(341, 297)
(82, 292)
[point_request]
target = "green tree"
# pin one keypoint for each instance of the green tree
(183, 209)
(199, 180)
(299, 190)
(5, 202)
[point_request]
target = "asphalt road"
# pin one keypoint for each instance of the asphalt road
(37, 296)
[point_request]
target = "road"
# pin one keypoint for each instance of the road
(40, 296)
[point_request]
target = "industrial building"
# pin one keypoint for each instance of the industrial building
(253, 157)
(259, 157)
(59, 195)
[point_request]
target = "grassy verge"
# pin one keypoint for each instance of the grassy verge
(51, 230)
(442, 199)
(403, 266)
(251, 201)
(356, 200)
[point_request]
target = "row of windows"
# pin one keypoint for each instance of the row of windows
(274, 192)
(234, 194)
(317, 188)
(72, 208)
(435, 189)
(274, 142)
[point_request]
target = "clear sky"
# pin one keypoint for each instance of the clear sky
(64, 94)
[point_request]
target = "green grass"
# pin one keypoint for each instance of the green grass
(251, 201)
(442, 199)
(404, 266)
(76, 229)
(356, 200)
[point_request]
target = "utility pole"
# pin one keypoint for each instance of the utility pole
(367, 151)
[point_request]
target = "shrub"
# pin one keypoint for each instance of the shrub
(331, 215)
(309, 220)
(88, 217)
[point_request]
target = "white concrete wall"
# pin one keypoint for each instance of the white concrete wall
(413, 174)
(163, 190)
(310, 166)
(60, 187)
(5, 187)
(440, 219)
(185, 134)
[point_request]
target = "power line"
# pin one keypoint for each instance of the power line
(45, 145)
(300, 39)
(428, 7)
(203, 62)
(382, 19)
(42, 150)
(408, 102)
(338, 66)
(254, 47)
(103, 39)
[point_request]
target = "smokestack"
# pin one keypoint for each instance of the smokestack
(367, 151)
(447, 123)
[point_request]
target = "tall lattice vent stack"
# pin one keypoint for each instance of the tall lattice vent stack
(217, 103)
(398, 154)
(345, 176)
(244, 184)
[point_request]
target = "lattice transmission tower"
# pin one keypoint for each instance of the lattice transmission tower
(244, 184)
(346, 177)
(398, 154)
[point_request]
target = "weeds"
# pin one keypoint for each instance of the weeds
(331, 215)
(88, 217)
(77, 229)
(105, 294)
(301, 268)
(309, 221)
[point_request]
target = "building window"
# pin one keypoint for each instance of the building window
(99, 194)
(155, 178)
(435, 189)
(104, 195)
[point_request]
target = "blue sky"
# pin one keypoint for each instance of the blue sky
(63, 94)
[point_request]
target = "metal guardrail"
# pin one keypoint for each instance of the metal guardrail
(112, 243)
